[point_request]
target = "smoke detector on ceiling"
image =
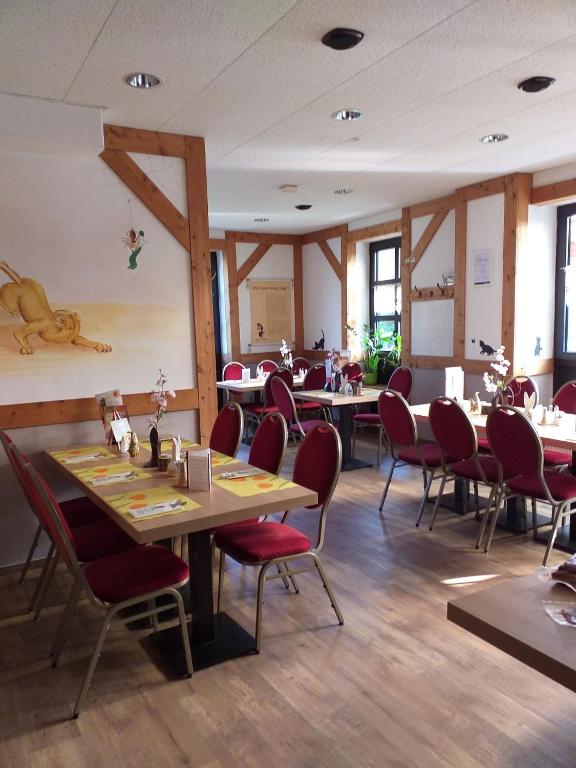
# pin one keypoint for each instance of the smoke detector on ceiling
(304, 206)
(535, 84)
(288, 188)
(342, 39)
(494, 138)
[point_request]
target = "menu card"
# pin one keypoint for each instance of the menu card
(199, 470)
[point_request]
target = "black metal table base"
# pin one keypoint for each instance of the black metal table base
(353, 463)
(565, 539)
(345, 428)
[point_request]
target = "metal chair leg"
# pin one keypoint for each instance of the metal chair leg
(153, 614)
(557, 513)
(534, 520)
(501, 497)
(287, 576)
(221, 582)
(494, 498)
(60, 638)
(46, 581)
(387, 485)
(328, 588)
(354, 430)
(436, 504)
(93, 661)
(30, 554)
(260, 604)
(424, 497)
(184, 630)
(476, 500)
(45, 568)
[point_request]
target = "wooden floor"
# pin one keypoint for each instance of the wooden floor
(396, 687)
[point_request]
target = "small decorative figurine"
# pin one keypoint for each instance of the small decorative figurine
(134, 447)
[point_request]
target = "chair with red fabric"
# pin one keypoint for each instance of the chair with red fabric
(520, 386)
(405, 448)
(315, 379)
(401, 381)
(565, 399)
(78, 511)
(518, 449)
(300, 364)
(227, 430)
(352, 370)
(92, 541)
(257, 411)
(266, 366)
(233, 371)
(317, 467)
(456, 436)
(285, 403)
(113, 583)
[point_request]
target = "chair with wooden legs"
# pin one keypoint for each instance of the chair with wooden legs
(227, 430)
(405, 447)
(518, 449)
(266, 544)
(114, 583)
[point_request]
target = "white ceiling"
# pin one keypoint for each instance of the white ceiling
(252, 77)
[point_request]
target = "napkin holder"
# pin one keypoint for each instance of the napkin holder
(199, 470)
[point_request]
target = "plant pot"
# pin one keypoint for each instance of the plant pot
(370, 378)
(385, 370)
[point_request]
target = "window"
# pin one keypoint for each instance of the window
(385, 288)
(566, 282)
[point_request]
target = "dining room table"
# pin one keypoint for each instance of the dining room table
(346, 406)
(149, 507)
(239, 387)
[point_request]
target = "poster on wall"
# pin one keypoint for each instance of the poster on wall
(482, 266)
(270, 311)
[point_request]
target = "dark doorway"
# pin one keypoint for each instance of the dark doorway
(217, 321)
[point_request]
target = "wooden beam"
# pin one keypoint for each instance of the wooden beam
(432, 206)
(233, 295)
(324, 234)
(217, 244)
(483, 188)
(331, 258)
(430, 361)
(85, 409)
(554, 193)
(344, 290)
(298, 298)
(149, 194)
(197, 198)
(374, 232)
(265, 237)
(252, 261)
(148, 142)
(427, 236)
(460, 246)
(432, 293)
(405, 284)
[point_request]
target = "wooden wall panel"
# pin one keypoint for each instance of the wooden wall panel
(233, 295)
(298, 298)
(118, 137)
(331, 258)
(460, 237)
(375, 232)
(406, 249)
(252, 261)
(427, 236)
(554, 193)
(344, 291)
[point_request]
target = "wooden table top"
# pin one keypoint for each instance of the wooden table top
(217, 506)
(510, 616)
(336, 399)
(562, 436)
(254, 385)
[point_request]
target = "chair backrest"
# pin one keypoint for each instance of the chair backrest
(401, 381)
(280, 373)
(519, 386)
(300, 364)
(317, 467)
(315, 378)
(18, 460)
(397, 418)
(6, 441)
(453, 430)
(565, 398)
(232, 371)
(283, 400)
(352, 370)
(269, 444)
(227, 430)
(514, 441)
(266, 366)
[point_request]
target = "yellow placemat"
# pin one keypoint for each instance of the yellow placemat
(168, 441)
(79, 455)
(253, 485)
(221, 460)
(155, 502)
(108, 474)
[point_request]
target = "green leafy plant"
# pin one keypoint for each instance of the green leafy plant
(377, 345)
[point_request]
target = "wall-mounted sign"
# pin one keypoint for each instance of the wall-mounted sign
(482, 266)
(270, 311)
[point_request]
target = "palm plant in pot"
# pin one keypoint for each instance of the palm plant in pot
(377, 347)
(391, 358)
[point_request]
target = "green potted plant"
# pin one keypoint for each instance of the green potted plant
(376, 345)
(391, 358)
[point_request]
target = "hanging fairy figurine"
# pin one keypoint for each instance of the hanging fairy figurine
(134, 240)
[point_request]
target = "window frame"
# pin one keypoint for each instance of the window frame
(563, 215)
(374, 248)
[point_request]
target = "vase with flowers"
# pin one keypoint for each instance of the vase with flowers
(286, 355)
(497, 383)
(333, 371)
(159, 396)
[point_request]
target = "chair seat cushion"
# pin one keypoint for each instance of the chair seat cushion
(259, 410)
(81, 511)
(562, 487)
(309, 405)
(101, 539)
(368, 418)
(134, 573)
(469, 469)
(429, 451)
(307, 425)
(484, 445)
(231, 526)
(260, 542)
(557, 458)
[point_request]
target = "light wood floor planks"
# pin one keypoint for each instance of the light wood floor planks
(396, 687)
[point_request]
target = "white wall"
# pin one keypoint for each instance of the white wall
(321, 296)
(277, 262)
(484, 302)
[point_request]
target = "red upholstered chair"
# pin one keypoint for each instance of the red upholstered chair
(400, 381)
(518, 449)
(256, 411)
(456, 436)
(79, 511)
(266, 366)
(317, 467)
(518, 387)
(285, 403)
(114, 583)
(352, 370)
(565, 399)
(233, 371)
(315, 379)
(405, 448)
(227, 430)
(300, 364)
(92, 541)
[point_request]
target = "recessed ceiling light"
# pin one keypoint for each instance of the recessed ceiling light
(343, 191)
(303, 207)
(341, 38)
(494, 138)
(288, 188)
(261, 219)
(347, 114)
(535, 84)
(142, 80)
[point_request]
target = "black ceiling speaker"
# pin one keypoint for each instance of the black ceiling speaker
(535, 84)
(304, 207)
(341, 38)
